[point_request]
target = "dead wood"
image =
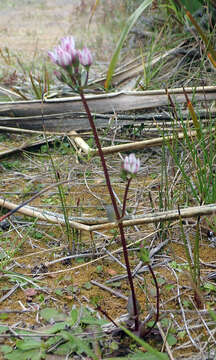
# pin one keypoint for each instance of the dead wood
(161, 216)
(147, 219)
(63, 114)
(138, 145)
(54, 219)
(75, 139)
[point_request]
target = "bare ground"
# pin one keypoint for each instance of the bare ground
(30, 28)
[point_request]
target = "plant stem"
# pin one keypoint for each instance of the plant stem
(105, 314)
(115, 207)
(125, 196)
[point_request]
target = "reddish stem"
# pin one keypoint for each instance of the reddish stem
(115, 207)
(125, 196)
(105, 314)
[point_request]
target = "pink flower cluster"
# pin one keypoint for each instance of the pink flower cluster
(66, 54)
(131, 164)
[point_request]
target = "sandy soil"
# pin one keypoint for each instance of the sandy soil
(30, 27)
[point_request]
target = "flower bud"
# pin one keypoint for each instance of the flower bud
(131, 164)
(60, 57)
(67, 43)
(85, 57)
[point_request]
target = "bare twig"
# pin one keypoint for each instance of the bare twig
(104, 287)
(10, 292)
(164, 337)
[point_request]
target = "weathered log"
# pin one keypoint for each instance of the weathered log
(63, 114)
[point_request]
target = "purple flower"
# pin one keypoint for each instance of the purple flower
(131, 164)
(65, 54)
(85, 57)
(67, 43)
(69, 58)
(60, 57)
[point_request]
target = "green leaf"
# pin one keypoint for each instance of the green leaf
(59, 292)
(93, 321)
(212, 314)
(26, 355)
(182, 334)
(161, 281)
(52, 314)
(56, 327)
(28, 344)
(6, 349)
(4, 316)
(65, 349)
(192, 5)
(169, 287)
(186, 303)
(99, 268)
(74, 316)
(144, 255)
(171, 339)
(144, 356)
(209, 286)
(81, 345)
(114, 345)
(129, 24)
(165, 322)
(3, 329)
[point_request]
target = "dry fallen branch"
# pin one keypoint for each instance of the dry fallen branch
(63, 114)
(138, 145)
(113, 292)
(29, 211)
(161, 216)
(147, 219)
(79, 141)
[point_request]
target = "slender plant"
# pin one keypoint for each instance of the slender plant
(74, 71)
(74, 68)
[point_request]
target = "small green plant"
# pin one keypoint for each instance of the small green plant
(40, 84)
(198, 166)
(12, 164)
(66, 336)
(62, 198)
